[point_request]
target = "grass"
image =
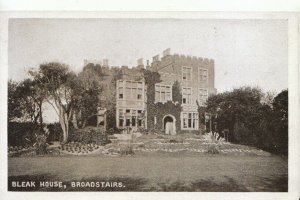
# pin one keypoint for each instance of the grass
(158, 172)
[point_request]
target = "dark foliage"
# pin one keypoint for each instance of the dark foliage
(24, 134)
(159, 110)
(55, 132)
(111, 118)
(40, 144)
(250, 121)
(21, 134)
(89, 135)
(14, 109)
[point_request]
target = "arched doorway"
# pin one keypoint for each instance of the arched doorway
(169, 122)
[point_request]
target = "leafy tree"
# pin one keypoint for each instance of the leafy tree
(96, 89)
(33, 97)
(14, 103)
(91, 84)
(25, 100)
(279, 123)
(250, 119)
(111, 103)
(87, 101)
(58, 82)
(239, 107)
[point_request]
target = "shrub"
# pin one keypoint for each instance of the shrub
(55, 132)
(142, 130)
(126, 150)
(141, 145)
(112, 131)
(89, 135)
(160, 137)
(213, 149)
(21, 134)
(41, 144)
(175, 141)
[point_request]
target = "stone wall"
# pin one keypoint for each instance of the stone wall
(170, 68)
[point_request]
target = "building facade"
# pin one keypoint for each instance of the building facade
(195, 77)
(131, 104)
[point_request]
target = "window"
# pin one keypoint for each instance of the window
(121, 122)
(163, 93)
(121, 113)
(186, 95)
(121, 117)
(127, 122)
(203, 75)
(133, 120)
(190, 120)
(121, 93)
(133, 90)
(140, 113)
(139, 93)
(186, 73)
(130, 118)
(139, 122)
(203, 95)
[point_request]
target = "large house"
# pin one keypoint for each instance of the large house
(196, 80)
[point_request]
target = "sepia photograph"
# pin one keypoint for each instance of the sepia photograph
(148, 104)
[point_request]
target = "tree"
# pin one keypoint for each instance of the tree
(239, 108)
(58, 82)
(25, 100)
(87, 102)
(279, 122)
(88, 90)
(252, 120)
(14, 109)
(33, 97)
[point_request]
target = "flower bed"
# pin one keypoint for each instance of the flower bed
(18, 151)
(78, 148)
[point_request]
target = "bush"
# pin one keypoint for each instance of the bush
(21, 134)
(126, 150)
(112, 131)
(160, 137)
(142, 130)
(41, 144)
(88, 135)
(213, 149)
(175, 141)
(55, 132)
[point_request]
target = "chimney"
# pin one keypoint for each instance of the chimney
(166, 52)
(140, 62)
(156, 58)
(105, 62)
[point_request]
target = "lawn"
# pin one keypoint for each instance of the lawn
(157, 171)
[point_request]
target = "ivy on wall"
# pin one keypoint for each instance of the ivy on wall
(159, 110)
(201, 114)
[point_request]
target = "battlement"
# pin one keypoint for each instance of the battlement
(179, 58)
(192, 59)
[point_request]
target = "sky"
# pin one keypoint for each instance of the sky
(246, 52)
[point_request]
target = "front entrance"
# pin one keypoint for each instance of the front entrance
(169, 125)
